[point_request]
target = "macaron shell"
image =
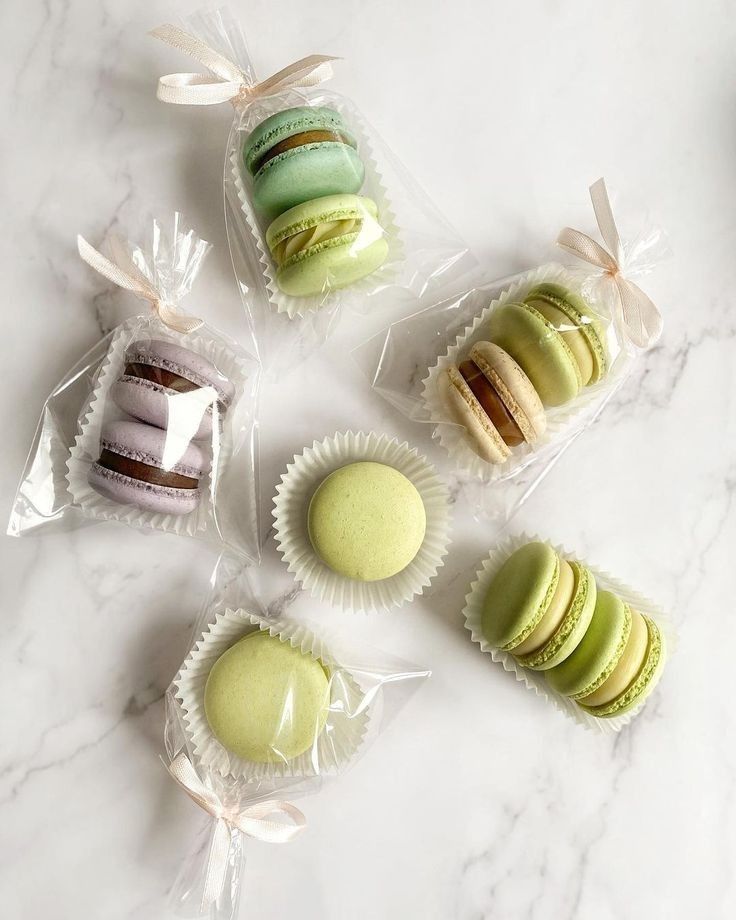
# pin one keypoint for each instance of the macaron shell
(320, 210)
(155, 447)
(304, 173)
(154, 498)
(645, 681)
(188, 414)
(569, 332)
(580, 315)
(572, 627)
(332, 265)
(513, 387)
(599, 651)
(464, 408)
(366, 521)
(519, 595)
(287, 123)
(266, 701)
(539, 350)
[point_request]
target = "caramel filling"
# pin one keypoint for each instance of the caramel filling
(116, 463)
(491, 403)
(312, 236)
(164, 378)
(299, 140)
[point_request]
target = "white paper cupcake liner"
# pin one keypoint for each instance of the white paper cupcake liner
(100, 409)
(373, 187)
(562, 421)
(535, 680)
(295, 491)
(335, 747)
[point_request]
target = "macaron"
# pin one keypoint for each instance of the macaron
(154, 470)
(599, 651)
(325, 244)
(366, 521)
(299, 154)
(171, 387)
(539, 606)
(491, 396)
(635, 674)
(266, 701)
(542, 352)
(577, 324)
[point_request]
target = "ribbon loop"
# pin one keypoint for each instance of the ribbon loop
(254, 820)
(636, 313)
(135, 281)
(229, 83)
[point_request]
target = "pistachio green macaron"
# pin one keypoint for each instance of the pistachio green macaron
(367, 521)
(265, 700)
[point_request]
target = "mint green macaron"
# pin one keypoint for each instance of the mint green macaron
(519, 595)
(599, 651)
(367, 521)
(265, 700)
(539, 349)
(326, 244)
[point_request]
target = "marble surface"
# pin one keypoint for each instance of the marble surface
(479, 801)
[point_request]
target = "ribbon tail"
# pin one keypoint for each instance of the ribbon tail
(605, 220)
(640, 317)
(217, 863)
(215, 62)
(195, 89)
(308, 71)
(179, 322)
(584, 247)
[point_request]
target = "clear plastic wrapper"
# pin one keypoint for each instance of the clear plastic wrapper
(306, 708)
(156, 425)
(536, 680)
(321, 217)
(510, 372)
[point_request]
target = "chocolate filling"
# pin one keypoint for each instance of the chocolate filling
(116, 463)
(299, 140)
(491, 403)
(165, 378)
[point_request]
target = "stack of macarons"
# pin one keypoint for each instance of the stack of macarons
(266, 701)
(594, 648)
(541, 352)
(366, 521)
(306, 173)
(153, 460)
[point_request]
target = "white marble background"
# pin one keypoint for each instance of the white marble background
(480, 801)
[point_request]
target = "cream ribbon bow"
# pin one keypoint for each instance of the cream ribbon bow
(137, 282)
(228, 82)
(637, 314)
(253, 821)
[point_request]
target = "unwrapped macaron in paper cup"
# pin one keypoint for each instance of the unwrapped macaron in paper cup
(157, 429)
(509, 373)
(362, 520)
(321, 217)
(584, 641)
(263, 710)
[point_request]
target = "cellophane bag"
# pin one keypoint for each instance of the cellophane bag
(155, 426)
(329, 251)
(415, 363)
(242, 797)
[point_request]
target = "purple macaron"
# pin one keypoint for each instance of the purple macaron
(172, 387)
(152, 469)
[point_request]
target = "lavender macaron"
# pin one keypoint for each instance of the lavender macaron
(154, 470)
(172, 387)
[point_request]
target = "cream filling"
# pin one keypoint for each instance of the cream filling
(312, 236)
(553, 615)
(626, 671)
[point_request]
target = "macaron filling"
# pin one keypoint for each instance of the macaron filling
(327, 233)
(318, 136)
(144, 472)
(491, 402)
(145, 365)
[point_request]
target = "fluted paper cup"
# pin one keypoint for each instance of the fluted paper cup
(339, 741)
(535, 680)
(562, 421)
(305, 473)
(373, 187)
(100, 408)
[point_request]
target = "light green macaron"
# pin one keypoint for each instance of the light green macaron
(539, 349)
(519, 594)
(367, 521)
(325, 244)
(266, 701)
(599, 651)
(578, 325)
